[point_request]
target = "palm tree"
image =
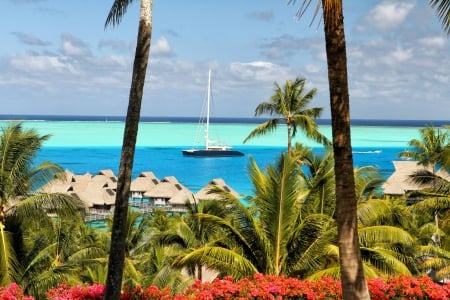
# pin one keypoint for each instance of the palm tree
(271, 235)
(20, 205)
(191, 233)
(118, 234)
(430, 149)
(319, 180)
(352, 273)
(290, 105)
(62, 253)
(443, 12)
(137, 240)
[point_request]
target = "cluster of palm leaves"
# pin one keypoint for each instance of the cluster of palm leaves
(287, 228)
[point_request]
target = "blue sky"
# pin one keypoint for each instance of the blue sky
(57, 58)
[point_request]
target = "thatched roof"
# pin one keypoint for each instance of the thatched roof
(92, 190)
(106, 178)
(69, 182)
(206, 192)
(144, 182)
(169, 188)
(400, 181)
(95, 196)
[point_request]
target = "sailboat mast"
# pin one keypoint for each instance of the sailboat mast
(207, 111)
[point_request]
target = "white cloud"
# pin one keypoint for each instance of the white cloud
(433, 41)
(399, 55)
(389, 14)
(161, 47)
(41, 63)
(74, 47)
(257, 70)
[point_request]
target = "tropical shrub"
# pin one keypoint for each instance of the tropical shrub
(259, 287)
(13, 292)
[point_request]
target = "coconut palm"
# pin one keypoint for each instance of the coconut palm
(19, 179)
(158, 270)
(431, 149)
(432, 234)
(62, 254)
(118, 235)
(191, 233)
(319, 179)
(352, 274)
(271, 235)
(290, 104)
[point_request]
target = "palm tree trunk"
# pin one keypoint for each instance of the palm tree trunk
(352, 274)
(289, 146)
(119, 226)
(199, 272)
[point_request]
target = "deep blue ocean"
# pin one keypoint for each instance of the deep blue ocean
(84, 144)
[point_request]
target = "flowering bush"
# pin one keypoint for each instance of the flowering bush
(259, 287)
(405, 287)
(13, 292)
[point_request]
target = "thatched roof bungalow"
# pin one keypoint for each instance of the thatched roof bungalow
(170, 195)
(400, 181)
(142, 184)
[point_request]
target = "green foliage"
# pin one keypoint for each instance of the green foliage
(290, 105)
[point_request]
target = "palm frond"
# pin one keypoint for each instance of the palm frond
(310, 127)
(18, 148)
(442, 8)
(9, 265)
(332, 271)
(431, 180)
(263, 129)
(373, 235)
(117, 11)
(40, 283)
(432, 204)
(38, 205)
(306, 248)
(218, 258)
(385, 261)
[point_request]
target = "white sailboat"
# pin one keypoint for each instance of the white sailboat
(211, 149)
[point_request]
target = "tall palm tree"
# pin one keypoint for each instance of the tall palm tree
(290, 104)
(352, 274)
(19, 202)
(442, 8)
(118, 234)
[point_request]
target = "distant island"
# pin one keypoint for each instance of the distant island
(219, 120)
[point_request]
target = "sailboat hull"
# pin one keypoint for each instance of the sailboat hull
(211, 153)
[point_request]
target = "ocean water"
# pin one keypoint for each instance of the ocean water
(93, 144)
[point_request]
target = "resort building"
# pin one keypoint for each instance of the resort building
(400, 183)
(147, 192)
(141, 184)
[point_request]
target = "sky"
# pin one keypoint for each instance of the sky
(57, 57)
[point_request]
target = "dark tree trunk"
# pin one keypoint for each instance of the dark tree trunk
(352, 273)
(119, 226)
